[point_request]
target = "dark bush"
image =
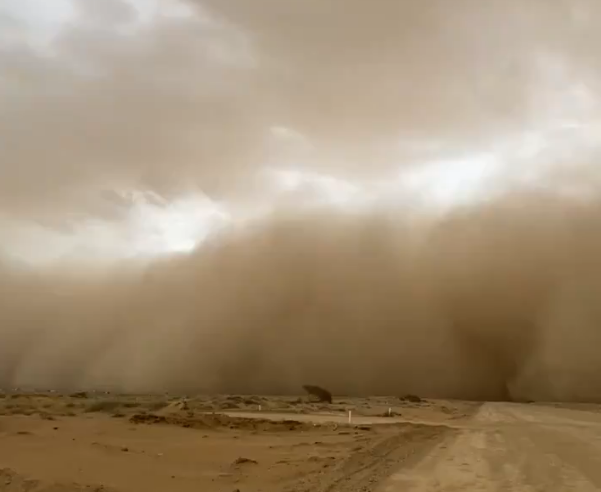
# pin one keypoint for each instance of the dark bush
(321, 394)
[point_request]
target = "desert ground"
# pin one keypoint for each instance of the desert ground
(144, 443)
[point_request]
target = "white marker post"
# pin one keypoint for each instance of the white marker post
(350, 416)
(390, 411)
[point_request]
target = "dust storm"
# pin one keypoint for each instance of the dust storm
(499, 296)
(492, 299)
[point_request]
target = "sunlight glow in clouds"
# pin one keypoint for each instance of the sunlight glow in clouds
(152, 227)
(178, 226)
(321, 189)
(451, 182)
(562, 130)
(155, 226)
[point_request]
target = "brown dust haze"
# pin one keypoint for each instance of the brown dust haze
(498, 298)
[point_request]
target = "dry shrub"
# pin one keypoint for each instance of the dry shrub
(321, 394)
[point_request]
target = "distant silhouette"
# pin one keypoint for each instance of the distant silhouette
(320, 393)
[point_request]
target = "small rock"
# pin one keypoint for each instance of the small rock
(245, 461)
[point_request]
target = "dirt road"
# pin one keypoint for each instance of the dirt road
(513, 447)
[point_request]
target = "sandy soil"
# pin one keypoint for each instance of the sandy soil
(129, 443)
(95, 442)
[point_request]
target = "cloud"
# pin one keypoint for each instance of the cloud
(312, 139)
(129, 94)
(159, 107)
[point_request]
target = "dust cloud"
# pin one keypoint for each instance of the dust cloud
(494, 298)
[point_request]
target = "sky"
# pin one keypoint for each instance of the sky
(224, 113)
(218, 195)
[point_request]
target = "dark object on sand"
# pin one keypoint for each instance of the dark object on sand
(320, 393)
(245, 461)
(79, 394)
(411, 398)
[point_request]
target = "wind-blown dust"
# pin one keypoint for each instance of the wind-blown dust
(494, 300)
(501, 294)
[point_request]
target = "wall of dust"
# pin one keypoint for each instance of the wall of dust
(488, 303)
